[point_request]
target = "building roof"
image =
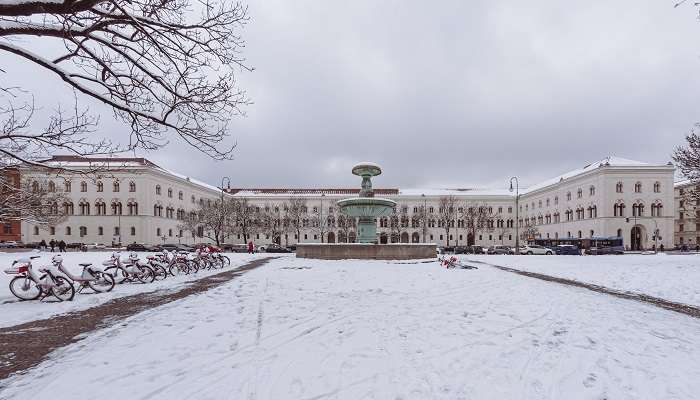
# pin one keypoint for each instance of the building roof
(290, 192)
(610, 161)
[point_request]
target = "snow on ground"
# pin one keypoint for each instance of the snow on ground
(671, 277)
(304, 329)
(15, 312)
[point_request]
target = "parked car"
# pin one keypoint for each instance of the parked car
(567, 250)
(10, 244)
(531, 249)
(184, 247)
(499, 250)
(473, 249)
(275, 248)
(95, 246)
(169, 246)
(75, 245)
(210, 247)
(141, 247)
(236, 248)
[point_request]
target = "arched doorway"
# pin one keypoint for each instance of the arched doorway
(383, 238)
(342, 238)
(351, 237)
(331, 237)
(415, 238)
(404, 237)
(638, 238)
(470, 239)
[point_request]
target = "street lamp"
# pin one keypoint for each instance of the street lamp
(225, 178)
(320, 222)
(517, 207)
(425, 217)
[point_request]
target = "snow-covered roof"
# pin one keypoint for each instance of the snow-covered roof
(454, 192)
(610, 161)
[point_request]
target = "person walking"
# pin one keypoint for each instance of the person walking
(62, 246)
(52, 243)
(42, 245)
(251, 247)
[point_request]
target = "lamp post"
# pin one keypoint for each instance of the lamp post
(425, 217)
(320, 222)
(517, 207)
(225, 178)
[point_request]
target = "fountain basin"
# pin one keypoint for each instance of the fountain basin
(366, 207)
(367, 251)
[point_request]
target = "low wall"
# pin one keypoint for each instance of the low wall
(362, 251)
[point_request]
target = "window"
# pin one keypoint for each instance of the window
(66, 186)
(170, 192)
(117, 231)
(36, 230)
(101, 207)
(180, 195)
(116, 208)
(68, 208)
(100, 186)
(52, 187)
(84, 208)
(556, 200)
(618, 187)
(619, 209)
(591, 191)
(579, 193)
(132, 186)
(638, 187)
(158, 190)
(68, 232)
(52, 230)
(158, 232)
(83, 231)
(115, 186)
(100, 231)
(657, 187)
(83, 186)
(133, 208)
(568, 196)
(170, 232)
(133, 231)
(192, 199)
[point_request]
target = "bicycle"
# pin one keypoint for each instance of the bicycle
(129, 270)
(92, 277)
(27, 285)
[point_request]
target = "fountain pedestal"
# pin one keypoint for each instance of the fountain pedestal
(367, 208)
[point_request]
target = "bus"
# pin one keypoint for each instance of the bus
(594, 245)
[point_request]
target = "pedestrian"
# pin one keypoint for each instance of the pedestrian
(42, 245)
(62, 246)
(52, 243)
(251, 247)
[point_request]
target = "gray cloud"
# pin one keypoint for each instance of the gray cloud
(455, 93)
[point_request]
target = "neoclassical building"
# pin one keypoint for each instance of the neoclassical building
(142, 202)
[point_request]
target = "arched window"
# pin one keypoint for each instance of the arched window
(68, 232)
(618, 187)
(158, 189)
(657, 187)
(100, 186)
(638, 187)
(83, 186)
(158, 232)
(100, 207)
(619, 233)
(67, 186)
(53, 208)
(579, 193)
(35, 186)
(556, 200)
(591, 190)
(36, 231)
(180, 196)
(619, 209)
(68, 208)
(83, 231)
(133, 231)
(656, 209)
(115, 186)
(52, 187)
(568, 196)
(84, 208)
(116, 208)
(192, 199)
(170, 192)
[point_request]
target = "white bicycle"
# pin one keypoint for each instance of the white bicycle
(93, 277)
(28, 285)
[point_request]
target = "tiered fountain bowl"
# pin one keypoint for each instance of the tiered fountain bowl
(366, 208)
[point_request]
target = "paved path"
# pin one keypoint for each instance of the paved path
(26, 345)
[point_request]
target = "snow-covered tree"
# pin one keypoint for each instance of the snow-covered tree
(687, 160)
(477, 217)
(447, 214)
(295, 213)
(36, 201)
(212, 220)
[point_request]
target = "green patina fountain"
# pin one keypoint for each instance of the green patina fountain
(366, 207)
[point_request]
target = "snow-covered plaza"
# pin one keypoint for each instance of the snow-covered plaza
(309, 329)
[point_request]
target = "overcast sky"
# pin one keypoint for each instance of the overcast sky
(453, 94)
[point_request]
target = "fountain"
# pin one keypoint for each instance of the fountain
(366, 208)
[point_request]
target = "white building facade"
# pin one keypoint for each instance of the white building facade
(612, 197)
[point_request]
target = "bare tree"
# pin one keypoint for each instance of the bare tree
(687, 160)
(163, 66)
(477, 217)
(529, 231)
(271, 222)
(345, 226)
(211, 220)
(319, 222)
(398, 223)
(295, 212)
(245, 220)
(447, 214)
(37, 201)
